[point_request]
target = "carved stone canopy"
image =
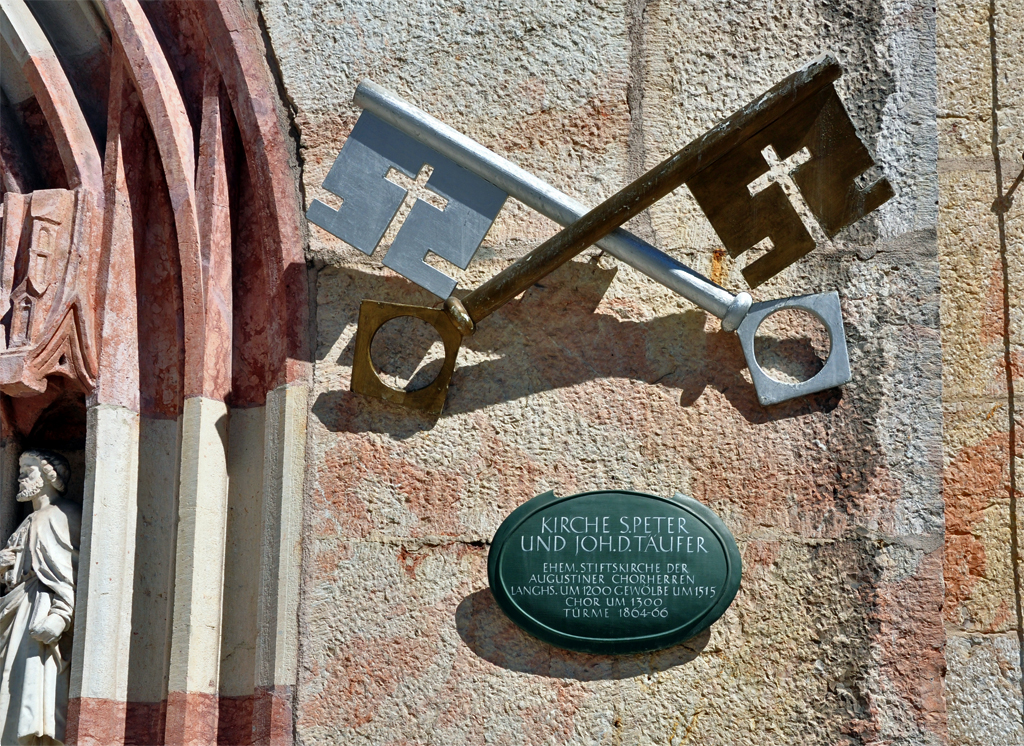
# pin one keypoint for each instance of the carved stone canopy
(45, 234)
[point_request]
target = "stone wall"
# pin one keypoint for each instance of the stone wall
(599, 378)
(981, 137)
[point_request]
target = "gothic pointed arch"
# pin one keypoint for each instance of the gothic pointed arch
(152, 275)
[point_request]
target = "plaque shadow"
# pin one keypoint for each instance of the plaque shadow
(492, 636)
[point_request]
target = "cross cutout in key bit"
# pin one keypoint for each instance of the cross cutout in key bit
(780, 171)
(829, 183)
(415, 189)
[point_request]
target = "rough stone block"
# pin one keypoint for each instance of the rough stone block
(984, 680)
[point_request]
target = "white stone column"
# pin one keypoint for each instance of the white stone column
(153, 597)
(198, 574)
(241, 578)
(280, 567)
(103, 607)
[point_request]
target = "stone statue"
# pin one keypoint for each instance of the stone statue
(39, 567)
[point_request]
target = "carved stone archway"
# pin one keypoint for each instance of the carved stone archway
(152, 274)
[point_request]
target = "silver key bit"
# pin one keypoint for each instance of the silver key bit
(370, 202)
(736, 311)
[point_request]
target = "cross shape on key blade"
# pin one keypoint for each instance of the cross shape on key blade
(832, 182)
(780, 171)
(371, 201)
(415, 189)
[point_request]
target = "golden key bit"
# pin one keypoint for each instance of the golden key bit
(834, 157)
(459, 318)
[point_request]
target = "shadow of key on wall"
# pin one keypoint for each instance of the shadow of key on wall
(556, 337)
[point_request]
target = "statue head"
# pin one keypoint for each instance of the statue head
(42, 472)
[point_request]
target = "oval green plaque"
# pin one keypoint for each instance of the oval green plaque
(613, 571)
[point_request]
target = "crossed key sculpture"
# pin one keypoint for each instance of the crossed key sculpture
(801, 115)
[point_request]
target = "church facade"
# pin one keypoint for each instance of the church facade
(267, 557)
